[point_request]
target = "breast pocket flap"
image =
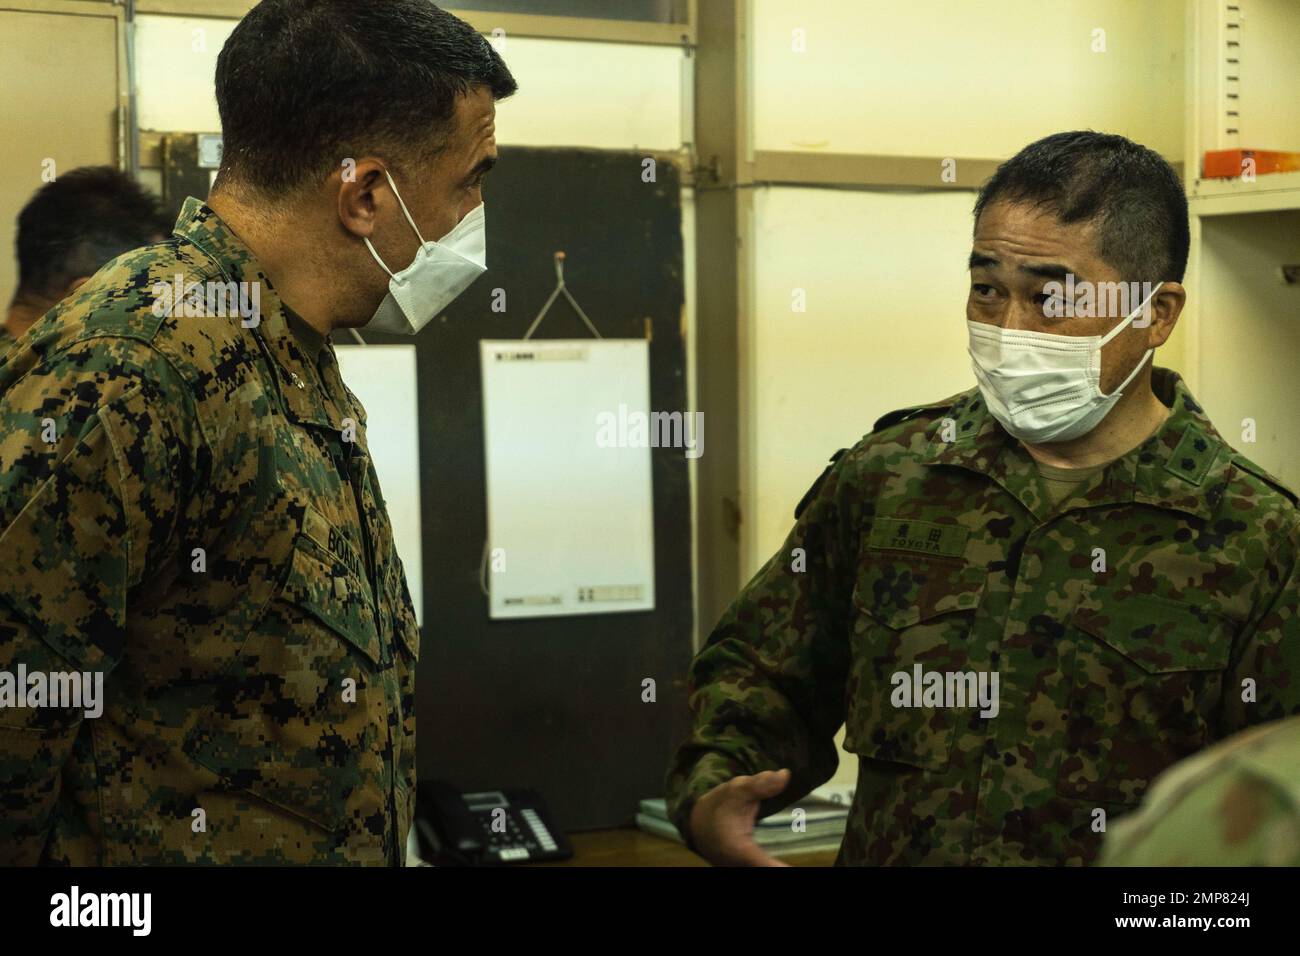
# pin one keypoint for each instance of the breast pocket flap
(331, 593)
(901, 590)
(1160, 636)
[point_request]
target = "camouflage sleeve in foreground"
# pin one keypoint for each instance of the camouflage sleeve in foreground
(1236, 804)
(767, 690)
(91, 468)
(6, 342)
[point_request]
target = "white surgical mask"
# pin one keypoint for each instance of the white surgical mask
(1043, 387)
(440, 271)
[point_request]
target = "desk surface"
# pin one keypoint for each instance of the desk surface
(628, 846)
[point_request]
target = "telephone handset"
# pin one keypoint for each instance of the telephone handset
(484, 829)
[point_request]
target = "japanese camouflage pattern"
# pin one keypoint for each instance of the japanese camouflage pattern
(928, 544)
(227, 686)
(1235, 804)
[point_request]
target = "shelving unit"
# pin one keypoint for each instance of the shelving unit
(1243, 315)
(1271, 192)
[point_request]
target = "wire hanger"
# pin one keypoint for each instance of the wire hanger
(560, 287)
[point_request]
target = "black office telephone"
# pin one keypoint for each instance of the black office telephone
(485, 829)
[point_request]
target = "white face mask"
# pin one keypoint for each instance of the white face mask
(1043, 387)
(440, 271)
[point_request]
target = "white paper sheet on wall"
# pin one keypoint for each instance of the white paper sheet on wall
(569, 493)
(383, 377)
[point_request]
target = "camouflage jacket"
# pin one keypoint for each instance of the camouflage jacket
(187, 506)
(1119, 628)
(1235, 804)
(6, 342)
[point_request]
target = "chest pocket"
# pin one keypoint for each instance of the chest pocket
(909, 611)
(334, 597)
(1145, 681)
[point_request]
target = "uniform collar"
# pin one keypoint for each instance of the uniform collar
(1180, 467)
(298, 377)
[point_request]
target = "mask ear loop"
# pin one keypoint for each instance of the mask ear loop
(406, 212)
(1116, 331)
(1130, 317)
(381, 261)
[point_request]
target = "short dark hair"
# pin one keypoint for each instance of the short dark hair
(1130, 192)
(80, 221)
(304, 84)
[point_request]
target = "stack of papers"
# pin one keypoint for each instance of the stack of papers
(814, 823)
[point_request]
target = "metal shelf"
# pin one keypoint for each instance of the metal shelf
(1270, 192)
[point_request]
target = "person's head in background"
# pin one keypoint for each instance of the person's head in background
(1099, 210)
(321, 101)
(71, 228)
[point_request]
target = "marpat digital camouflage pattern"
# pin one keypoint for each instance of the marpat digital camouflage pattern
(921, 551)
(226, 686)
(1235, 804)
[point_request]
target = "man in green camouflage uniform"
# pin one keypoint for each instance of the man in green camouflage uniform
(67, 231)
(1235, 804)
(1133, 590)
(187, 502)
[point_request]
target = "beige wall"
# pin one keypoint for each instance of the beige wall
(58, 109)
(572, 93)
(1250, 336)
(956, 78)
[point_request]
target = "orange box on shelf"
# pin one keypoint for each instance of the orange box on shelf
(1227, 163)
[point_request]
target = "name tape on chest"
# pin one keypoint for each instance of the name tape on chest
(316, 527)
(924, 537)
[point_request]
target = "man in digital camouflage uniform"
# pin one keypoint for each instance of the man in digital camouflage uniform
(67, 231)
(1235, 804)
(187, 504)
(1126, 575)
